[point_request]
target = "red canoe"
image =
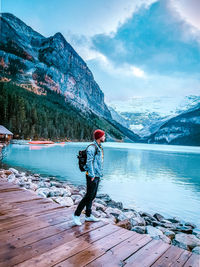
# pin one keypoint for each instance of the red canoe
(41, 142)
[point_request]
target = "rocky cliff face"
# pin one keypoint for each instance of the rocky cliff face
(118, 117)
(39, 63)
(183, 129)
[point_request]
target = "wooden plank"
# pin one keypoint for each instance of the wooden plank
(82, 258)
(114, 239)
(16, 209)
(19, 238)
(15, 223)
(9, 217)
(30, 202)
(15, 194)
(100, 232)
(59, 210)
(106, 260)
(193, 261)
(116, 255)
(20, 208)
(11, 205)
(8, 186)
(20, 198)
(19, 255)
(39, 208)
(170, 256)
(33, 223)
(96, 249)
(11, 189)
(148, 254)
(182, 259)
(5, 195)
(35, 236)
(68, 248)
(62, 252)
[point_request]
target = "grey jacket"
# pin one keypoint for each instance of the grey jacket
(94, 164)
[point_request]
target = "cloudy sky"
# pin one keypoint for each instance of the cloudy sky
(135, 48)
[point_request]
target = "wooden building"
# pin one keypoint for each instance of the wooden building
(5, 134)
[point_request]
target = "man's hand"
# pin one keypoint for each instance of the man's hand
(92, 178)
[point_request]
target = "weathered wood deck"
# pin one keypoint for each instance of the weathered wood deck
(38, 232)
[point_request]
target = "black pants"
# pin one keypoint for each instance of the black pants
(90, 194)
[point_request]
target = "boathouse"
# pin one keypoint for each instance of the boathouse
(5, 134)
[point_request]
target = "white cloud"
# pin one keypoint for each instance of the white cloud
(187, 12)
(137, 72)
(107, 16)
(123, 70)
(119, 12)
(84, 48)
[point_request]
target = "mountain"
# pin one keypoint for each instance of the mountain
(30, 58)
(183, 129)
(118, 117)
(42, 65)
(145, 115)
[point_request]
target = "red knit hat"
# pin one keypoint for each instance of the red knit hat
(98, 133)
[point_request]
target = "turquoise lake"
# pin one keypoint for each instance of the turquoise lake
(147, 177)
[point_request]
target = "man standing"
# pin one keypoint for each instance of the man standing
(94, 170)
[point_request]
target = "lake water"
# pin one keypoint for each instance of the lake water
(147, 177)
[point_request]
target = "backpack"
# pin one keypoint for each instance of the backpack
(82, 157)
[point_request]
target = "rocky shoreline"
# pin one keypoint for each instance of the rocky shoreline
(170, 230)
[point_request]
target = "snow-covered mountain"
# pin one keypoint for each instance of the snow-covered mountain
(183, 129)
(145, 115)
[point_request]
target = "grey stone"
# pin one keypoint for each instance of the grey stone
(165, 239)
(173, 220)
(163, 229)
(131, 214)
(14, 170)
(104, 197)
(11, 178)
(186, 241)
(154, 232)
(196, 250)
(137, 221)
(190, 224)
(122, 217)
(43, 191)
(158, 216)
(33, 186)
(157, 223)
(56, 184)
(196, 232)
(115, 204)
(169, 234)
(184, 229)
(139, 229)
(76, 198)
(64, 201)
(113, 211)
(99, 206)
(44, 184)
(100, 201)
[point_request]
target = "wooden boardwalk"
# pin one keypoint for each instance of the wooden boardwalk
(35, 231)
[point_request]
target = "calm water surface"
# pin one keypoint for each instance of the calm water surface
(147, 177)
